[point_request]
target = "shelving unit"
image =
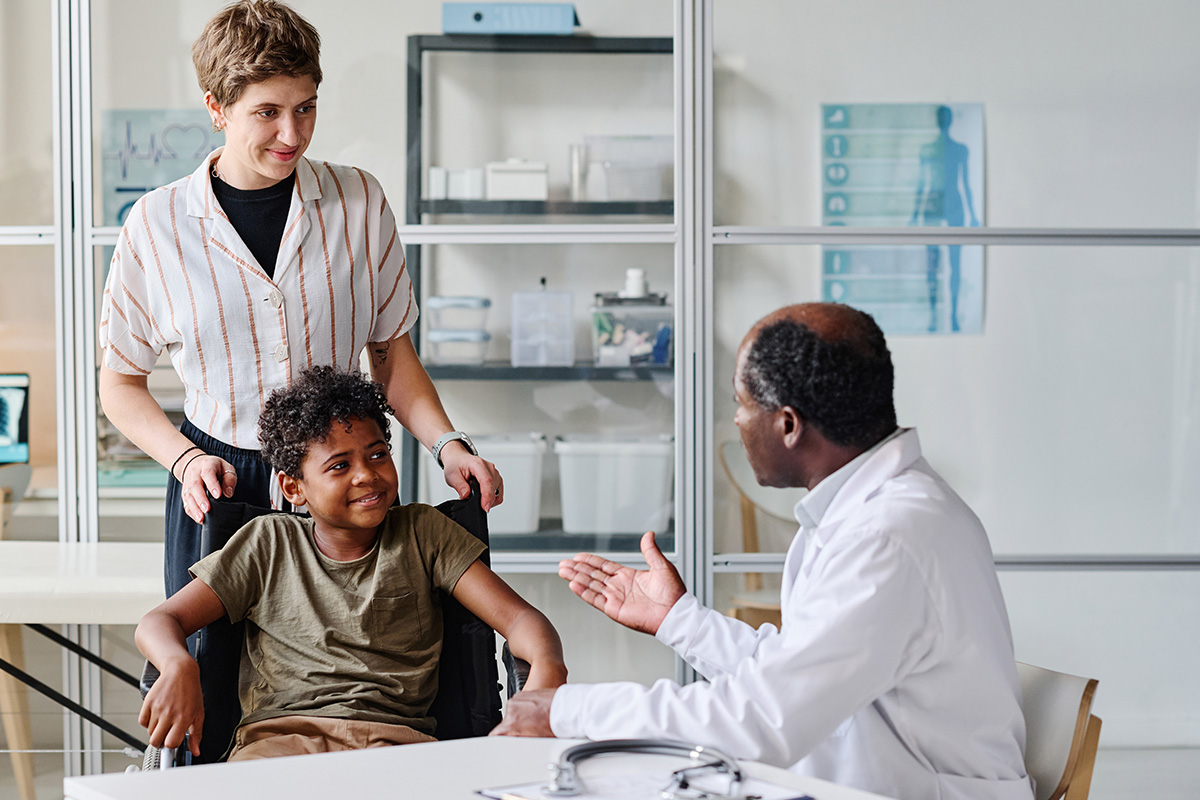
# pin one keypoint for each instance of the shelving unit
(550, 541)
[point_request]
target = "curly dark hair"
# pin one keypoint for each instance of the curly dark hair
(295, 416)
(843, 387)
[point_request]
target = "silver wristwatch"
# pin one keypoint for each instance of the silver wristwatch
(450, 437)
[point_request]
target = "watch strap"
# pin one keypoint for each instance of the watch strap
(452, 436)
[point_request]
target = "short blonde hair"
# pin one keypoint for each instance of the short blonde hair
(252, 41)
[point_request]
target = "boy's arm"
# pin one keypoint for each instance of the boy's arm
(174, 705)
(530, 635)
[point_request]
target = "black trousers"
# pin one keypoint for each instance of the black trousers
(218, 647)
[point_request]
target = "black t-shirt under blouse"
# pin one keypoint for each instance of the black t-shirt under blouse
(258, 215)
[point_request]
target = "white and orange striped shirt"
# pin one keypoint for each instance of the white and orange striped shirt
(182, 279)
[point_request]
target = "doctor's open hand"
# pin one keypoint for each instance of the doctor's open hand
(527, 714)
(636, 598)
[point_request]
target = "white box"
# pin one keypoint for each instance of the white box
(518, 456)
(464, 184)
(615, 485)
(543, 329)
(516, 180)
(438, 183)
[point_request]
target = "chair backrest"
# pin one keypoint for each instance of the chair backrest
(1061, 734)
(752, 498)
(468, 698)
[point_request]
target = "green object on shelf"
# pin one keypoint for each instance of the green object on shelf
(132, 476)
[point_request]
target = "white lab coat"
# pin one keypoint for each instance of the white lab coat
(893, 671)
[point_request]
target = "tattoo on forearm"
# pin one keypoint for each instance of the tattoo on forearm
(380, 352)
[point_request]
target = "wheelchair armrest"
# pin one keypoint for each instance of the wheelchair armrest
(517, 669)
(149, 676)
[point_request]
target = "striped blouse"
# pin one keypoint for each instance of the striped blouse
(182, 279)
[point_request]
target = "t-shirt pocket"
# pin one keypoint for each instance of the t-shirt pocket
(395, 619)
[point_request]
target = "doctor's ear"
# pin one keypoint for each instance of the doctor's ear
(291, 489)
(790, 426)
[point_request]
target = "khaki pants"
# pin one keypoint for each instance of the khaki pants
(299, 735)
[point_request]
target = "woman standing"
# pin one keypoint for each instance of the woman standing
(260, 264)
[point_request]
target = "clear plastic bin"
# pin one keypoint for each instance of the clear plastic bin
(457, 347)
(628, 333)
(519, 458)
(448, 312)
(630, 168)
(615, 485)
(543, 329)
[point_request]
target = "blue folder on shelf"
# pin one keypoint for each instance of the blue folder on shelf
(512, 19)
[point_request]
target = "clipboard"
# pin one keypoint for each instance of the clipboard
(711, 775)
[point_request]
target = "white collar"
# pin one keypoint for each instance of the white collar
(811, 508)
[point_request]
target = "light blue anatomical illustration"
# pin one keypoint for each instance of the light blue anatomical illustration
(889, 165)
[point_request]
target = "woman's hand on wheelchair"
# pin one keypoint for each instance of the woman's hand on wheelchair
(174, 706)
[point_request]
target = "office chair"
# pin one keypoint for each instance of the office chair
(468, 698)
(755, 605)
(1061, 733)
(14, 700)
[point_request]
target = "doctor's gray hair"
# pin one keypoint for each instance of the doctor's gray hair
(843, 387)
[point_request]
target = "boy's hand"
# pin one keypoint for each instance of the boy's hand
(174, 706)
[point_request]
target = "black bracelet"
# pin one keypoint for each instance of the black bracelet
(188, 463)
(181, 455)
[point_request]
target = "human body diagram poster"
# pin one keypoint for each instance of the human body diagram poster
(899, 164)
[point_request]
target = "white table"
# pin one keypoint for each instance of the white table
(442, 770)
(95, 583)
(56, 583)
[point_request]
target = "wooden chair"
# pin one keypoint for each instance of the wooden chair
(1062, 734)
(756, 604)
(14, 697)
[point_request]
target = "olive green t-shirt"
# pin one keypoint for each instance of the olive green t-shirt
(350, 639)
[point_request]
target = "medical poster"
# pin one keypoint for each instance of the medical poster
(905, 164)
(143, 149)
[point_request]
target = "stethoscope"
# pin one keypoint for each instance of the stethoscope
(566, 783)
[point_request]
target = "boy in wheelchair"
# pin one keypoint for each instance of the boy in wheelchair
(343, 631)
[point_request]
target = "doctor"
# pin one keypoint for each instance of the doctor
(893, 670)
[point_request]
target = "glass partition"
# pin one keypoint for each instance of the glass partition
(1093, 124)
(26, 133)
(1065, 423)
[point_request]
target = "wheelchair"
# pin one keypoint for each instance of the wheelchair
(468, 701)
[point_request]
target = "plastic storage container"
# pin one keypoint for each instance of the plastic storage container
(615, 485)
(543, 329)
(457, 313)
(457, 346)
(632, 331)
(631, 168)
(518, 456)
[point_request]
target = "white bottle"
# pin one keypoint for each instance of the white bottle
(635, 283)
